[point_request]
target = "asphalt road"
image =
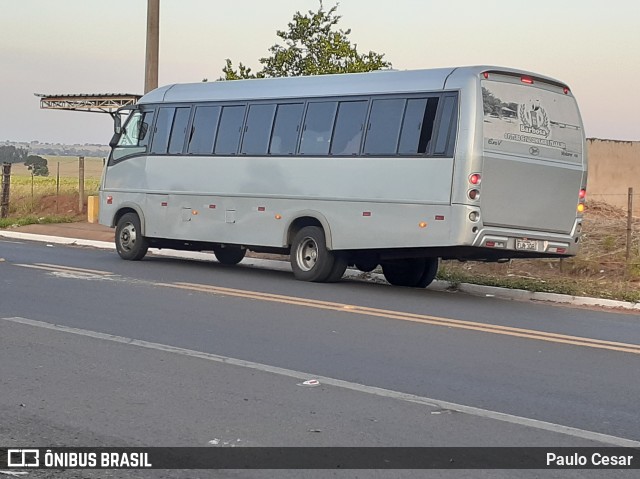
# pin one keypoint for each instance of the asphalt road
(148, 361)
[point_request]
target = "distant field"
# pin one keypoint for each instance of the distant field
(68, 167)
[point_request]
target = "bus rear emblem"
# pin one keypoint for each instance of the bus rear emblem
(534, 118)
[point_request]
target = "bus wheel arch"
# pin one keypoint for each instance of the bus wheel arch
(129, 208)
(308, 218)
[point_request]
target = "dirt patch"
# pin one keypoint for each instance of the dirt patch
(66, 205)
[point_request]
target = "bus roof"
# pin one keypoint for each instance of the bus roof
(377, 82)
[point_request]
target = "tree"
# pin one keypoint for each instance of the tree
(313, 45)
(37, 165)
(11, 154)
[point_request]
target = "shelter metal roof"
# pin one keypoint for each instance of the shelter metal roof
(92, 102)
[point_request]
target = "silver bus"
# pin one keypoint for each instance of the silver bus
(391, 168)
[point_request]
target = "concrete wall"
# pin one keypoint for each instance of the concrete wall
(614, 166)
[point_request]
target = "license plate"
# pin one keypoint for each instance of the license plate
(525, 244)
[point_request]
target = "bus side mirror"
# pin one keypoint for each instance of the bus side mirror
(114, 140)
(117, 124)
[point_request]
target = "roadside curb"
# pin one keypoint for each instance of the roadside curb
(468, 288)
(524, 295)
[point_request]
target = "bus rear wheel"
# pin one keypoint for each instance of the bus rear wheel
(130, 243)
(412, 273)
(229, 254)
(312, 261)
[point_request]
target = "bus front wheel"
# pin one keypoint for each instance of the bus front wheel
(412, 273)
(229, 255)
(130, 243)
(312, 261)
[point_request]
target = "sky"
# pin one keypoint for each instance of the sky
(98, 46)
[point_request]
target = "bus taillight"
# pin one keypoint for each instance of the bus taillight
(582, 195)
(527, 80)
(475, 178)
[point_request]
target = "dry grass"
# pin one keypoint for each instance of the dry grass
(28, 195)
(600, 268)
(68, 167)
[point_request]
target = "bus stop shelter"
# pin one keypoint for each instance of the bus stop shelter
(89, 102)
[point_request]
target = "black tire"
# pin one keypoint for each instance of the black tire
(429, 273)
(404, 272)
(340, 264)
(130, 243)
(312, 261)
(366, 263)
(229, 255)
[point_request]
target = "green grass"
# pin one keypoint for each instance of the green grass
(46, 185)
(32, 219)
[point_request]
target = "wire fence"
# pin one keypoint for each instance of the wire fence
(62, 192)
(610, 236)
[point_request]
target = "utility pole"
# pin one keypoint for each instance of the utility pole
(153, 42)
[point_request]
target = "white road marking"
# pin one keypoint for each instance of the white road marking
(387, 393)
(71, 268)
(65, 269)
(71, 272)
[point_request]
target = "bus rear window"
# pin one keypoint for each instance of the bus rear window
(531, 120)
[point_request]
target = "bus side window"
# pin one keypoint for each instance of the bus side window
(229, 130)
(318, 125)
(417, 126)
(135, 136)
(145, 126)
(349, 126)
(135, 131)
(179, 130)
(203, 132)
(446, 129)
(285, 129)
(163, 128)
(383, 130)
(258, 130)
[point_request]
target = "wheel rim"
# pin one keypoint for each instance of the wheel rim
(307, 254)
(128, 237)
